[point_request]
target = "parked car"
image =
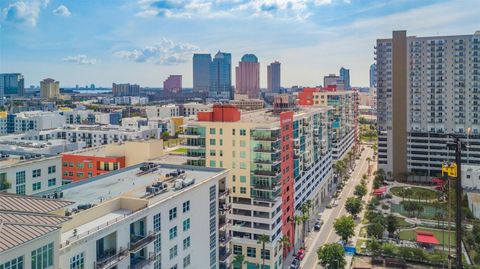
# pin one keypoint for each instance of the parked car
(295, 264)
(300, 254)
(318, 225)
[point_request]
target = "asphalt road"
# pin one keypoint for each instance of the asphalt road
(327, 233)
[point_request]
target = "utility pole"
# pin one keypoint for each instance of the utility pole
(457, 145)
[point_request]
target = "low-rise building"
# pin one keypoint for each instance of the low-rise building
(248, 104)
(91, 162)
(24, 173)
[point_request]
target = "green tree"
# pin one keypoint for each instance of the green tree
(344, 227)
(353, 205)
(375, 247)
(331, 255)
(306, 208)
(297, 219)
(263, 239)
(375, 230)
(238, 261)
(360, 191)
(392, 224)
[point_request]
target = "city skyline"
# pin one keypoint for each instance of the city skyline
(57, 38)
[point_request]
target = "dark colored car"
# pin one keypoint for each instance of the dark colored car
(295, 264)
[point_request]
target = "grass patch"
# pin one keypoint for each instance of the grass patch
(402, 223)
(410, 235)
(181, 150)
(415, 193)
(428, 211)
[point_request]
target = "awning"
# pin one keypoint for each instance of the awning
(380, 190)
(425, 237)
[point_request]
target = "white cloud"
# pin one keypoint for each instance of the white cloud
(62, 10)
(166, 52)
(296, 9)
(24, 12)
(80, 59)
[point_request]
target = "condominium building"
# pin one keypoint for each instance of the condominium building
(342, 116)
(427, 88)
(92, 135)
(221, 77)
(277, 160)
(247, 76)
(173, 84)
(26, 173)
(172, 110)
(274, 77)
(169, 216)
(29, 121)
(49, 89)
(126, 89)
(30, 232)
(201, 72)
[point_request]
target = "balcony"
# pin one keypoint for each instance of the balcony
(111, 259)
(265, 149)
(265, 173)
(141, 262)
(138, 242)
(266, 161)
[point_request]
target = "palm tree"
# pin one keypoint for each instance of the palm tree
(285, 242)
(305, 219)
(309, 206)
(263, 239)
(296, 221)
(368, 163)
(239, 260)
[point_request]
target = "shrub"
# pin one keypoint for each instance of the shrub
(385, 207)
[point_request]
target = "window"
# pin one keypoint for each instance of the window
(115, 166)
(174, 267)
(52, 182)
(220, 164)
(243, 179)
(186, 243)
(243, 143)
(243, 165)
(212, 142)
(251, 252)
(90, 165)
(16, 263)
(221, 142)
(70, 164)
(212, 131)
(65, 163)
(186, 225)
(243, 154)
(172, 233)
(77, 261)
(20, 177)
(52, 169)
(186, 261)
(90, 174)
(266, 254)
(36, 173)
(20, 189)
(157, 244)
(233, 131)
(212, 152)
(43, 257)
(157, 225)
(172, 213)
(237, 249)
(173, 252)
(243, 132)
(212, 163)
(221, 131)
(186, 206)
(80, 174)
(243, 190)
(36, 186)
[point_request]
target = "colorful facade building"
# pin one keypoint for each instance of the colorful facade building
(277, 160)
(343, 112)
(78, 166)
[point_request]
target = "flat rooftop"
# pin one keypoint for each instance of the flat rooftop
(266, 116)
(129, 182)
(93, 152)
(8, 159)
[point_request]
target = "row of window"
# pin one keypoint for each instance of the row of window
(251, 252)
(243, 132)
(79, 174)
(172, 213)
(173, 231)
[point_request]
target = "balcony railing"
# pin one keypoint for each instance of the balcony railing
(111, 260)
(264, 149)
(139, 242)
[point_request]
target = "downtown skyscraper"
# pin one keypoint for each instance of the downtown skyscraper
(221, 77)
(373, 75)
(274, 77)
(247, 77)
(427, 88)
(345, 76)
(201, 72)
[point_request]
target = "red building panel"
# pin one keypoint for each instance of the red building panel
(286, 123)
(79, 167)
(220, 113)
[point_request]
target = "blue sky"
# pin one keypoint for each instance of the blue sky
(105, 41)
